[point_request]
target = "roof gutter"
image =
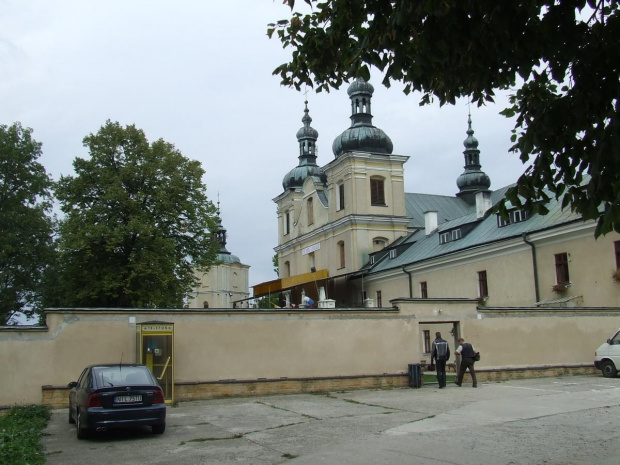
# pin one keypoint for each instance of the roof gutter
(534, 265)
(410, 283)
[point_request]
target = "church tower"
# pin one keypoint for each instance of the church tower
(473, 180)
(226, 284)
(331, 218)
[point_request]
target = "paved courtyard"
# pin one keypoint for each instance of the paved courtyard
(550, 421)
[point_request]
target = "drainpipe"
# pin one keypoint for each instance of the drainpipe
(534, 264)
(410, 285)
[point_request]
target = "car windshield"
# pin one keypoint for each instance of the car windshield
(121, 375)
(616, 338)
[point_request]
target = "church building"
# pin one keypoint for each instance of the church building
(350, 236)
(226, 284)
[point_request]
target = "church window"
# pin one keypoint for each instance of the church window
(312, 260)
(561, 268)
(287, 269)
(341, 253)
(377, 191)
(287, 223)
(617, 249)
(310, 211)
(340, 202)
(423, 290)
(444, 237)
(456, 234)
(427, 341)
(393, 253)
(379, 303)
(483, 287)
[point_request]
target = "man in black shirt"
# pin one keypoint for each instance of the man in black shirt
(440, 353)
(467, 353)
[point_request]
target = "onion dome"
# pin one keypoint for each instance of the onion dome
(307, 167)
(362, 136)
(473, 179)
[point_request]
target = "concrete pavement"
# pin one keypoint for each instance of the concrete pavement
(551, 421)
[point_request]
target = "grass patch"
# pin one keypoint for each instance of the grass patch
(20, 435)
(429, 378)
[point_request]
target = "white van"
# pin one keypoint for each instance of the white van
(607, 356)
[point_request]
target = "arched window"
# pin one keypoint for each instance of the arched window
(379, 243)
(287, 269)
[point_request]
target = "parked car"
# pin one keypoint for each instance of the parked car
(112, 396)
(607, 356)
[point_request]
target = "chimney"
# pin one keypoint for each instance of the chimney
(430, 222)
(483, 203)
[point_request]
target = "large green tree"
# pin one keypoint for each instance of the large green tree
(560, 60)
(25, 222)
(137, 223)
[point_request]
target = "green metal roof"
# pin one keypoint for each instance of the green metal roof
(453, 212)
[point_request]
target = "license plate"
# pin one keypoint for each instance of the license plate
(127, 399)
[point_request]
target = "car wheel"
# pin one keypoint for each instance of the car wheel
(82, 433)
(609, 369)
(158, 429)
(71, 420)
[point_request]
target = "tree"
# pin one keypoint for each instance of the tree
(559, 59)
(26, 227)
(137, 224)
(276, 265)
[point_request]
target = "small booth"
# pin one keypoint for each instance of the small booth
(155, 347)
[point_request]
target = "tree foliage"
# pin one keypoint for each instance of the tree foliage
(137, 224)
(25, 225)
(559, 59)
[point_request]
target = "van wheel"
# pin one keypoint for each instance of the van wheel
(609, 369)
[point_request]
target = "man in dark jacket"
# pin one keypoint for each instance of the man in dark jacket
(440, 353)
(467, 353)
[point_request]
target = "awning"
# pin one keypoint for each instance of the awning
(282, 284)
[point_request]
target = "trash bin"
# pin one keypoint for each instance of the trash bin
(415, 375)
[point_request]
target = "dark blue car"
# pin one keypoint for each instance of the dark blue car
(116, 395)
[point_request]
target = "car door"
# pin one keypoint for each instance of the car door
(73, 393)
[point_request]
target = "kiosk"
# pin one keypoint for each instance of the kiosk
(155, 347)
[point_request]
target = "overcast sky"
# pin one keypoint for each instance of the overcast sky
(198, 74)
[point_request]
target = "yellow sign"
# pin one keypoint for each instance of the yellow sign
(156, 328)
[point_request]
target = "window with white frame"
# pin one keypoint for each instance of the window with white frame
(423, 290)
(561, 268)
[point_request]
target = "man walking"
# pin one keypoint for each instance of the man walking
(467, 353)
(441, 353)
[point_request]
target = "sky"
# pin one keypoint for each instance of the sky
(199, 75)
